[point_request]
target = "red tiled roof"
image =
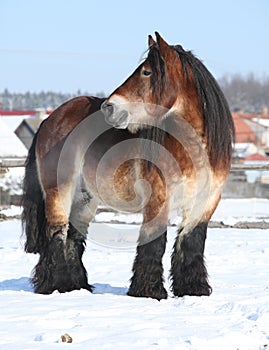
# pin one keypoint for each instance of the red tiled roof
(17, 113)
(243, 133)
(257, 156)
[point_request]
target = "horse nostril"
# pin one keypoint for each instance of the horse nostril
(107, 108)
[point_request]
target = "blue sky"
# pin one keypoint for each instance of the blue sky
(66, 45)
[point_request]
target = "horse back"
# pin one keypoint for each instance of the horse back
(63, 120)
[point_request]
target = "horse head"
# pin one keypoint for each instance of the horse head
(151, 91)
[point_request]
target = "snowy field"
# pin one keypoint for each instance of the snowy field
(235, 316)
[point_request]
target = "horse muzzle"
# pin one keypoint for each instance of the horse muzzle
(114, 115)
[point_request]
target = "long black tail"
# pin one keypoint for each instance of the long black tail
(33, 215)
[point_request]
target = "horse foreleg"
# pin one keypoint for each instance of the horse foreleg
(82, 212)
(147, 280)
(74, 249)
(188, 270)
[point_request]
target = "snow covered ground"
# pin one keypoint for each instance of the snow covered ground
(229, 211)
(235, 316)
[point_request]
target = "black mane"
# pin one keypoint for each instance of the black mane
(218, 122)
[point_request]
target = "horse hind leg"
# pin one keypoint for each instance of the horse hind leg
(60, 266)
(50, 273)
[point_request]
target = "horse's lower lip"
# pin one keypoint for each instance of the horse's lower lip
(119, 119)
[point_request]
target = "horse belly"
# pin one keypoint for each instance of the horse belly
(115, 187)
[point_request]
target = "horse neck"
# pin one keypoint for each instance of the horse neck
(188, 111)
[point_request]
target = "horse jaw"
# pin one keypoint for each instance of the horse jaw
(135, 127)
(136, 115)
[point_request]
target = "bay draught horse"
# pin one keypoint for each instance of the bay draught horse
(160, 143)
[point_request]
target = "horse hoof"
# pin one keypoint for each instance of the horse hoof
(89, 288)
(158, 293)
(203, 290)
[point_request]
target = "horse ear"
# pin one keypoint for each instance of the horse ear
(151, 41)
(164, 48)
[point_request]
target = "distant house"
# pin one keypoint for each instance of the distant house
(256, 157)
(252, 134)
(243, 131)
(244, 149)
(24, 123)
(261, 176)
(13, 118)
(10, 145)
(27, 129)
(7, 113)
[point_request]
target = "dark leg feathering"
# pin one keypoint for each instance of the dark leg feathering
(147, 280)
(60, 266)
(188, 271)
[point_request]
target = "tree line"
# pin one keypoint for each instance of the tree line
(34, 100)
(247, 93)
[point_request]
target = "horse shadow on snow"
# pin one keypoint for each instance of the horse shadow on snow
(24, 284)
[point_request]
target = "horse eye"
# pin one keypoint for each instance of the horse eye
(146, 73)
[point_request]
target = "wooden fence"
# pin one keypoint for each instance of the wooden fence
(12, 162)
(245, 167)
(20, 162)
(232, 187)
